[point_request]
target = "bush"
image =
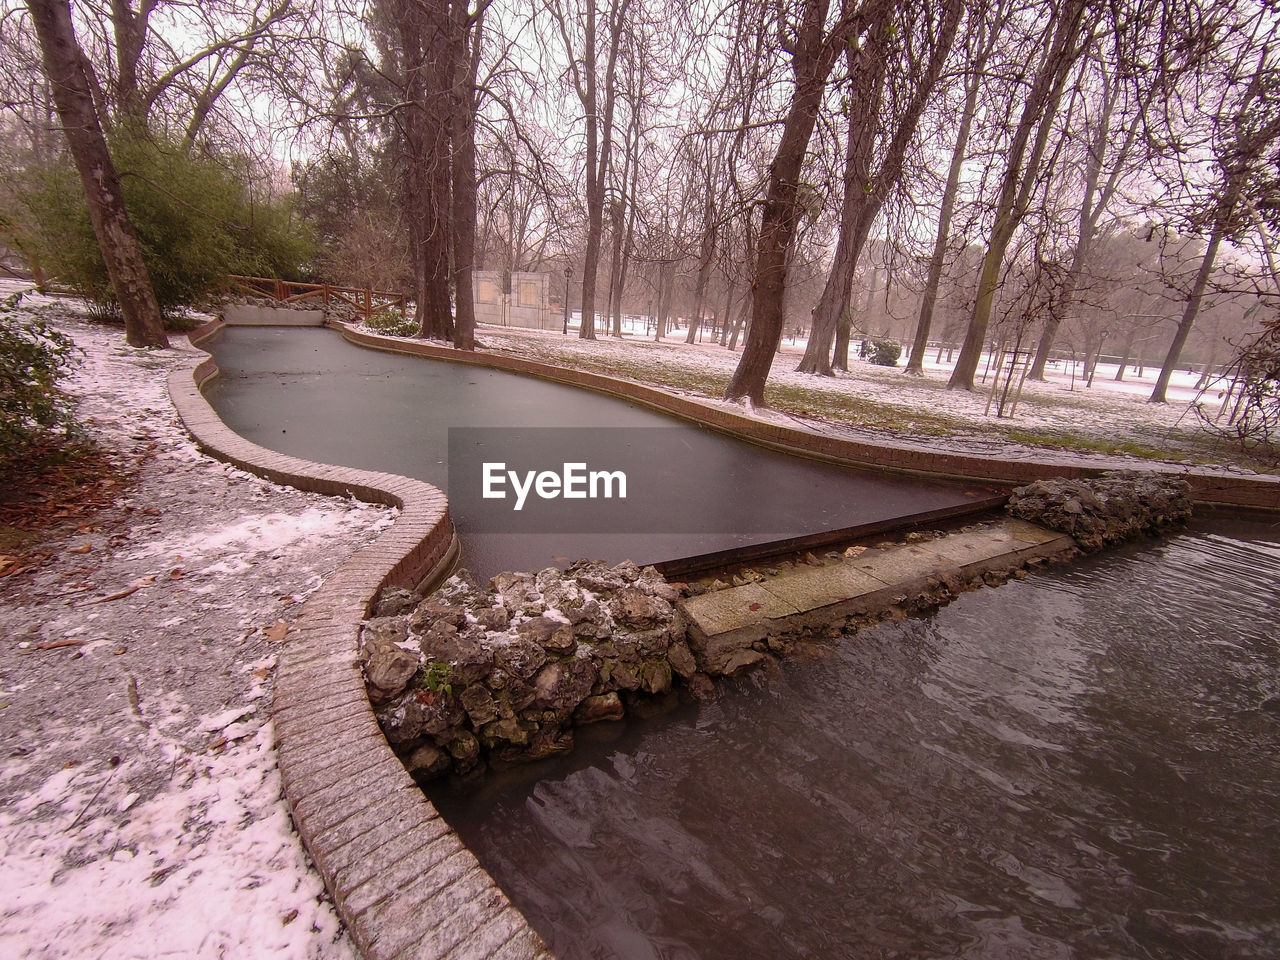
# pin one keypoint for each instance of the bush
(33, 358)
(392, 324)
(884, 352)
(196, 222)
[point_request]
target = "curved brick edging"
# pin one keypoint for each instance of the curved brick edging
(402, 881)
(1225, 490)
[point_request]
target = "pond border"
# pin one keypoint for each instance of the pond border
(1250, 492)
(401, 880)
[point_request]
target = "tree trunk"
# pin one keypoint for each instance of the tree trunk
(845, 329)
(929, 297)
(706, 256)
(129, 30)
(1091, 208)
(1019, 179)
(623, 222)
(815, 55)
(1124, 356)
(464, 172)
(1192, 309)
(599, 123)
(730, 291)
(864, 191)
(65, 67)
(867, 67)
(424, 34)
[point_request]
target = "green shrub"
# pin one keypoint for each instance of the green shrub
(195, 218)
(33, 359)
(438, 677)
(884, 352)
(392, 324)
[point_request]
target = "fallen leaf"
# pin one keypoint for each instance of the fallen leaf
(289, 917)
(120, 594)
(176, 573)
(262, 673)
(83, 548)
(276, 632)
(59, 643)
(754, 606)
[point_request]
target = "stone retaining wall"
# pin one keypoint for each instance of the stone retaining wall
(403, 883)
(471, 674)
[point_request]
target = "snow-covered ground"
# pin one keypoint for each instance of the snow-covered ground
(919, 409)
(141, 812)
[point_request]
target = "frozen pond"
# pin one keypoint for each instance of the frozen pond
(309, 393)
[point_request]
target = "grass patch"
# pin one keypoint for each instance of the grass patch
(843, 408)
(849, 409)
(1054, 440)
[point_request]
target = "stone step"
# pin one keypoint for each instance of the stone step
(727, 627)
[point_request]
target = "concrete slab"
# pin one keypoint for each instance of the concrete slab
(1029, 532)
(727, 626)
(726, 610)
(820, 586)
(901, 564)
(974, 546)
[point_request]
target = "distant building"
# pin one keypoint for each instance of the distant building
(514, 299)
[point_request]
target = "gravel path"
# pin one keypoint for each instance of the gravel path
(140, 805)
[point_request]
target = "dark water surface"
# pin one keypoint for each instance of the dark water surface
(1082, 764)
(309, 393)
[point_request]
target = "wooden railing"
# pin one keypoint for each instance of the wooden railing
(366, 301)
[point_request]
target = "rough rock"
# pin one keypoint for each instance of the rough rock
(431, 613)
(527, 658)
(384, 628)
(428, 760)
(681, 659)
(655, 676)
(554, 636)
(468, 658)
(479, 704)
(394, 601)
(604, 706)
(519, 655)
(388, 668)
(636, 609)
(1105, 510)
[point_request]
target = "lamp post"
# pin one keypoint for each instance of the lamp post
(568, 272)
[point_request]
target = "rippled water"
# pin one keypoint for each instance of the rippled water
(1082, 764)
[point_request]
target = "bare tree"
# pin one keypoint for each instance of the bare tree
(987, 28)
(465, 26)
(67, 70)
(597, 91)
(814, 48)
(1066, 35)
(916, 66)
(1241, 134)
